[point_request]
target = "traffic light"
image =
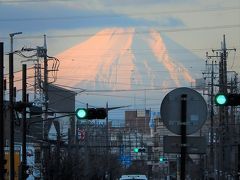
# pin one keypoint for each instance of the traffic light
(163, 159)
(91, 113)
(137, 150)
(222, 99)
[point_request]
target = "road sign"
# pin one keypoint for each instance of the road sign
(195, 144)
(126, 160)
(171, 110)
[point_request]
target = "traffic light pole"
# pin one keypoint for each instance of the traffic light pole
(107, 143)
(24, 100)
(11, 116)
(183, 134)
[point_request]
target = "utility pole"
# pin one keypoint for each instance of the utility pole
(212, 155)
(211, 122)
(1, 111)
(225, 156)
(45, 87)
(145, 110)
(45, 90)
(24, 120)
(11, 104)
(107, 143)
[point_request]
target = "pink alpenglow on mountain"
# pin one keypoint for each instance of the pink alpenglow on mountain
(103, 59)
(122, 59)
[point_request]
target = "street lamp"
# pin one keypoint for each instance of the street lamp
(11, 40)
(11, 114)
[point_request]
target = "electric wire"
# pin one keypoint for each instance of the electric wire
(173, 30)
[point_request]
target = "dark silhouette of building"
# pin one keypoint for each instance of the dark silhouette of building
(138, 120)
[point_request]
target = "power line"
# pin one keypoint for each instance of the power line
(117, 84)
(33, 1)
(205, 28)
(113, 15)
(120, 90)
(135, 51)
(128, 97)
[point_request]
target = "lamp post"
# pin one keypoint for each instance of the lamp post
(11, 40)
(11, 105)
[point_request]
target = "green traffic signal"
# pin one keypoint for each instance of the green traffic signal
(91, 113)
(163, 159)
(139, 150)
(221, 99)
(81, 113)
(227, 99)
(135, 150)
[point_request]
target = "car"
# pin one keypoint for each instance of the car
(133, 176)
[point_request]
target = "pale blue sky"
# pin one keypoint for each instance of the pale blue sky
(195, 24)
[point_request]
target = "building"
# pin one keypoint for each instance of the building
(138, 120)
(62, 105)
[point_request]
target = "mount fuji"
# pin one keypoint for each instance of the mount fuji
(127, 67)
(126, 59)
